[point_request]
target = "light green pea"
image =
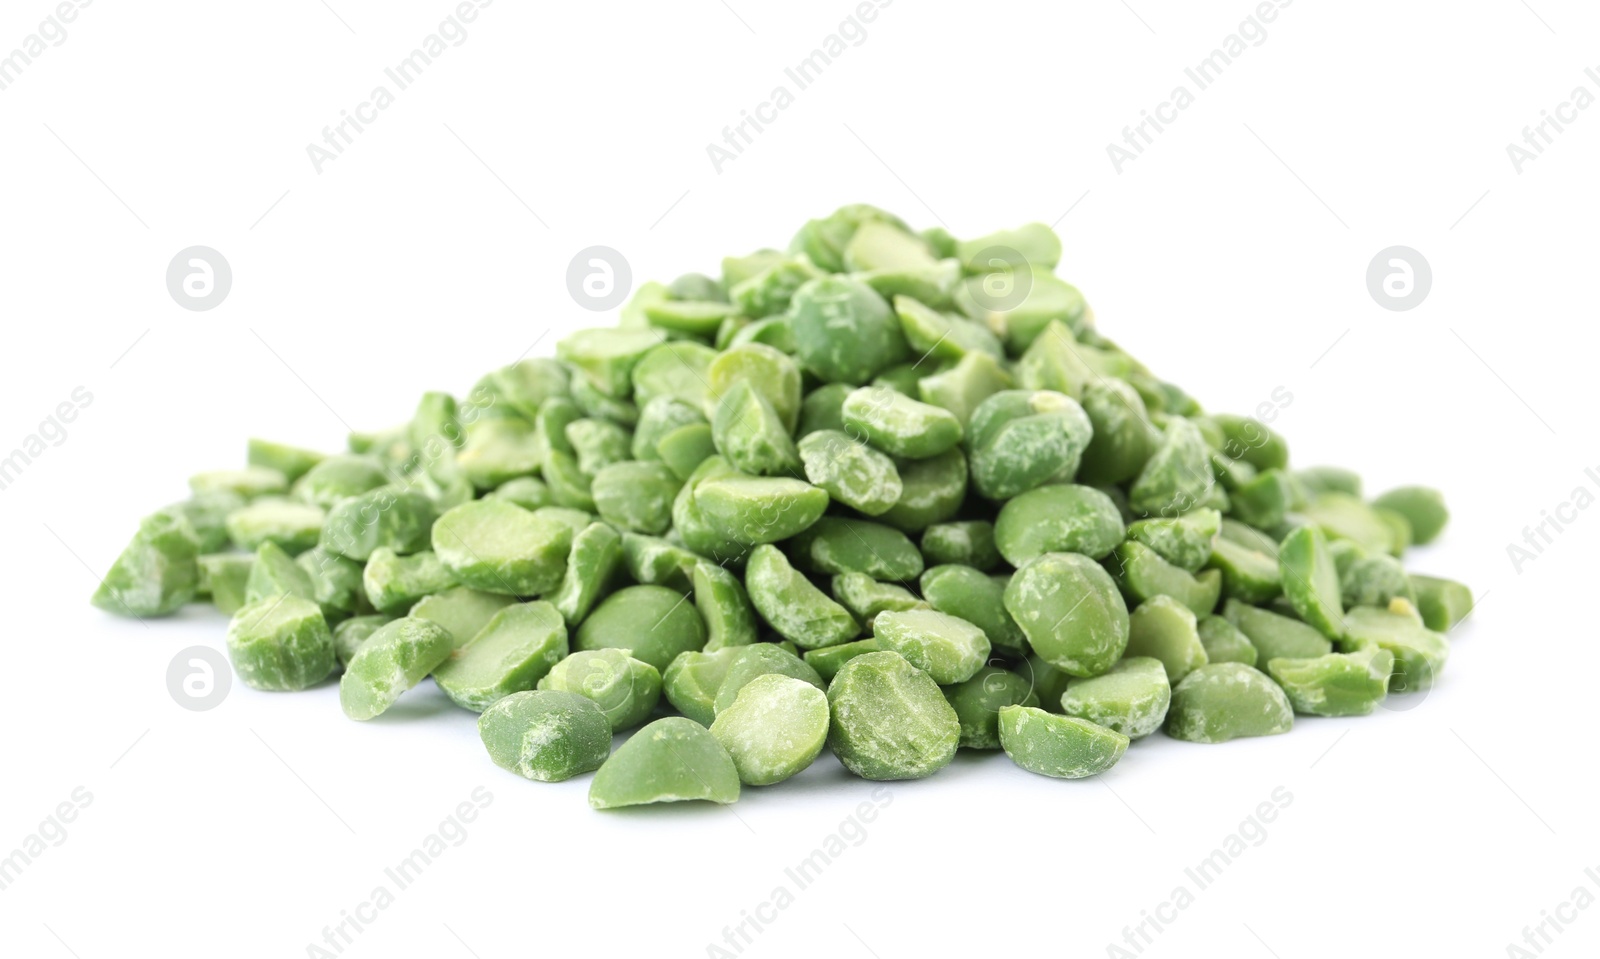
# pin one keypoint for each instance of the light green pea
(593, 563)
(463, 611)
(760, 659)
(722, 602)
(207, 515)
(291, 461)
(1048, 682)
(1248, 561)
(889, 719)
(691, 317)
(750, 435)
(1123, 439)
(1166, 630)
(281, 643)
(774, 728)
(1338, 684)
(932, 491)
(844, 332)
(294, 526)
(1263, 501)
(250, 482)
(156, 572)
(1062, 747)
(545, 735)
(393, 582)
(948, 649)
(1177, 477)
(671, 760)
(636, 496)
(1131, 699)
(1422, 507)
(337, 583)
(396, 657)
(275, 573)
(1053, 362)
(992, 298)
(659, 418)
(1442, 602)
(828, 660)
(596, 404)
(525, 491)
(653, 561)
(978, 598)
(498, 449)
(499, 547)
(1311, 580)
(881, 245)
(692, 680)
(398, 519)
(350, 634)
(1224, 643)
(1184, 541)
(1058, 519)
(938, 336)
(965, 385)
(1375, 581)
(822, 408)
(223, 576)
(754, 509)
(1224, 701)
(774, 289)
(515, 650)
(835, 544)
(865, 597)
(653, 623)
(770, 372)
(898, 424)
(597, 444)
(624, 688)
(978, 702)
(1035, 244)
(1275, 636)
(1143, 575)
(685, 448)
(526, 384)
(1071, 612)
(339, 478)
(1343, 516)
(607, 357)
(965, 543)
(825, 240)
(1419, 652)
(1020, 440)
(791, 605)
(850, 471)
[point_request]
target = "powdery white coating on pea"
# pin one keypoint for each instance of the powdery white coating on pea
(499, 547)
(625, 689)
(898, 424)
(1184, 541)
(295, 526)
(156, 574)
(545, 735)
(948, 649)
(1224, 701)
(844, 331)
(865, 597)
(1338, 684)
(966, 543)
(851, 472)
(1131, 699)
(1058, 518)
(751, 435)
(652, 623)
(281, 643)
(754, 509)
(774, 728)
(398, 519)
(838, 544)
(392, 660)
(1071, 612)
(1063, 747)
(1177, 477)
(511, 654)
(1166, 630)
(978, 702)
(670, 760)
(1020, 440)
(393, 582)
(889, 719)
(792, 605)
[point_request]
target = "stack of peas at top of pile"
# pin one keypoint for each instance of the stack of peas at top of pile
(886, 491)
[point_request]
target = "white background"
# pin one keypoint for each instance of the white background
(1231, 257)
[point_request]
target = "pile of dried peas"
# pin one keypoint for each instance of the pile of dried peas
(887, 491)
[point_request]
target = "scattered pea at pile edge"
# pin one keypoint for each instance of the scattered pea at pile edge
(887, 492)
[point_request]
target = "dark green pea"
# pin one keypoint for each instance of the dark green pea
(828, 660)
(1264, 501)
(865, 597)
(1166, 630)
(1020, 440)
(725, 607)
(546, 735)
(889, 719)
(949, 649)
(932, 491)
(1224, 643)
(1071, 612)
(671, 760)
(1058, 519)
(844, 331)
(1123, 438)
(1251, 440)
(773, 331)
(978, 598)
(1423, 509)
(1063, 747)
(822, 409)
(898, 424)
(691, 682)
(978, 702)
